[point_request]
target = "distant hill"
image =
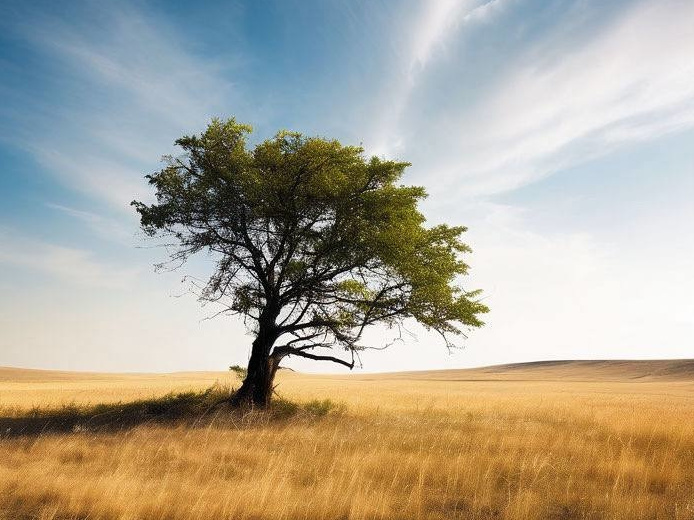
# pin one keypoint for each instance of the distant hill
(31, 375)
(568, 370)
(579, 370)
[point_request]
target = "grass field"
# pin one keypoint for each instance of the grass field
(548, 440)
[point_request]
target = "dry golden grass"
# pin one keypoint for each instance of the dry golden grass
(563, 441)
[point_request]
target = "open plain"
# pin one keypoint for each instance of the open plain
(562, 440)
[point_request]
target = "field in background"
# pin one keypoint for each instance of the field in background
(546, 440)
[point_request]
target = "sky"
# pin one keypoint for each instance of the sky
(560, 132)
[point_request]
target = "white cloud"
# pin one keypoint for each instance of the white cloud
(100, 177)
(439, 22)
(557, 296)
(552, 295)
(630, 82)
(62, 263)
(128, 86)
(139, 57)
(569, 295)
(107, 228)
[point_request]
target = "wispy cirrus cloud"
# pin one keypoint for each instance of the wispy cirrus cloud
(557, 102)
(65, 264)
(127, 86)
(440, 20)
(630, 83)
(483, 96)
(587, 81)
(437, 23)
(108, 228)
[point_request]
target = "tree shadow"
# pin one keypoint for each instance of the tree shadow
(186, 408)
(172, 408)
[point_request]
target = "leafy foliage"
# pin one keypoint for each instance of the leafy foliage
(240, 371)
(314, 242)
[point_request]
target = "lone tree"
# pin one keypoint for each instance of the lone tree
(313, 242)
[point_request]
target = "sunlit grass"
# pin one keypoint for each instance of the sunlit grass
(396, 448)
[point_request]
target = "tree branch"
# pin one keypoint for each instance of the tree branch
(290, 351)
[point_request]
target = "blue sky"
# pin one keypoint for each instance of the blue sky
(560, 132)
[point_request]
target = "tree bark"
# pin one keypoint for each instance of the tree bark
(256, 389)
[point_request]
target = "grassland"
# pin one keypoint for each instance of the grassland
(550, 440)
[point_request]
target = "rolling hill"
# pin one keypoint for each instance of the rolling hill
(565, 370)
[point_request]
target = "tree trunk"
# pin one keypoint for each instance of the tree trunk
(256, 389)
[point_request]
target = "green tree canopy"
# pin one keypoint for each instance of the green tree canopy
(314, 242)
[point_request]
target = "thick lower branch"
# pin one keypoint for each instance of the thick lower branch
(290, 351)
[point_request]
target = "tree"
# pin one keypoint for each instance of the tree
(313, 243)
